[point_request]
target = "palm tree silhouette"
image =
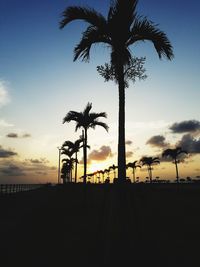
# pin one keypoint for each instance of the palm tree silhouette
(66, 169)
(133, 165)
(86, 120)
(74, 147)
(70, 161)
(174, 154)
(121, 29)
(113, 167)
(149, 161)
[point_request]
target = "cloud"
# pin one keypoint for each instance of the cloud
(157, 141)
(129, 154)
(4, 96)
(189, 126)
(13, 170)
(190, 144)
(129, 142)
(37, 161)
(12, 135)
(6, 153)
(3, 123)
(99, 155)
(15, 135)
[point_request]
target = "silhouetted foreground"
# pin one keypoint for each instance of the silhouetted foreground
(102, 225)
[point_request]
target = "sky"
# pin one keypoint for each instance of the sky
(40, 84)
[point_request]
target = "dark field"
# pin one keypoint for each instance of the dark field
(102, 225)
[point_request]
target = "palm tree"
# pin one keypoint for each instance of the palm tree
(149, 161)
(121, 29)
(174, 154)
(133, 165)
(66, 170)
(74, 147)
(113, 167)
(86, 120)
(69, 153)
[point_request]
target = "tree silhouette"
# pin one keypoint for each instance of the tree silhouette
(66, 170)
(113, 167)
(86, 120)
(70, 161)
(149, 161)
(121, 29)
(174, 154)
(74, 147)
(133, 165)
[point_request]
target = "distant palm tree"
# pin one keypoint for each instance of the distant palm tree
(149, 161)
(74, 147)
(174, 154)
(122, 28)
(113, 167)
(133, 165)
(86, 120)
(66, 169)
(103, 173)
(69, 153)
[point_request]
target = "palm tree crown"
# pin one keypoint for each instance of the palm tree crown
(149, 161)
(86, 120)
(174, 154)
(121, 28)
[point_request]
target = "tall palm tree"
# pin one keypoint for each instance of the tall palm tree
(74, 147)
(133, 165)
(174, 154)
(122, 28)
(86, 120)
(149, 161)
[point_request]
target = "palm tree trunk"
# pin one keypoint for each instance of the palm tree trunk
(177, 175)
(121, 135)
(85, 156)
(133, 175)
(76, 169)
(150, 174)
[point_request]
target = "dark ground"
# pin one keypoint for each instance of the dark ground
(101, 225)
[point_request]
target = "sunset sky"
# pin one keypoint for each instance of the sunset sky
(40, 83)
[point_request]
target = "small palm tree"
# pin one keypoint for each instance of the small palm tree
(122, 28)
(113, 167)
(174, 154)
(74, 147)
(149, 161)
(66, 170)
(86, 120)
(69, 153)
(134, 166)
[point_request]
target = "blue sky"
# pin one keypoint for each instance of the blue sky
(40, 83)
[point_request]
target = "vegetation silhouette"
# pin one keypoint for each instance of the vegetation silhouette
(86, 120)
(149, 161)
(122, 28)
(174, 154)
(134, 165)
(74, 147)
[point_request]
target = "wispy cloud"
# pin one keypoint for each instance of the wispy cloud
(4, 96)
(3, 123)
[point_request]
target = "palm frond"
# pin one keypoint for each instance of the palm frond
(99, 123)
(89, 15)
(144, 29)
(71, 116)
(91, 36)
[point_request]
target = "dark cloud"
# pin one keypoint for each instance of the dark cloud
(12, 170)
(99, 155)
(129, 154)
(6, 153)
(15, 135)
(190, 144)
(12, 135)
(37, 161)
(157, 141)
(129, 142)
(189, 126)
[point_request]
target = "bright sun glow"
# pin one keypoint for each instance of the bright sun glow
(96, 166)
